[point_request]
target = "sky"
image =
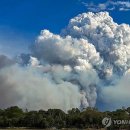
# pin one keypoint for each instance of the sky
(21, 22)
(30, 16)
(26, 18)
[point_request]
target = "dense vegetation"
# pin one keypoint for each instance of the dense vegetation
(89, 118)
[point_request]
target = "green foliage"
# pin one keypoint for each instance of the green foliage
(13, 112)
(56, 118)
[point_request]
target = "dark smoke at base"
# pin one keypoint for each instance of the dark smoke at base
(87, 65)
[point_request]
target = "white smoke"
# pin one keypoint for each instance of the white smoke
(116, 96)
(78, 54)
(27, 88)
(90, 58)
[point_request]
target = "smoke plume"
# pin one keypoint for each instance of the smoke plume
(87, 64)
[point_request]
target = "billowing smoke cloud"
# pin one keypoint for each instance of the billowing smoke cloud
(111, 40)
(77, 54)
(84, 66)
(28, 89)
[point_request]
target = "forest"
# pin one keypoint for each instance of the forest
(55, 118)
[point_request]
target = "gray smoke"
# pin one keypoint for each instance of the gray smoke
(27, 88)
(84, 66)
(5, 61)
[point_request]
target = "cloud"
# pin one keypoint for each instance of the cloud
(108, 6)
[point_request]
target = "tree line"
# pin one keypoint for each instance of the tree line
(56, 118)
